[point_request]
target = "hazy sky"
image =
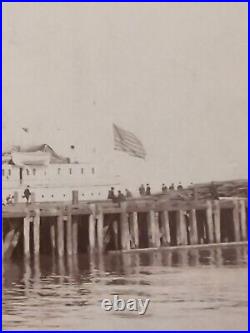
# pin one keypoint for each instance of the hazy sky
(175, 74)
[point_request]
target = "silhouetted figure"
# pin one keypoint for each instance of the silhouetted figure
(148, 190)
(120, 197)
(111, 194)
(171, 187)
(179, 187)
(164, 188)
(8, 199)
(142, 190)
(128, 193)
(27, 194)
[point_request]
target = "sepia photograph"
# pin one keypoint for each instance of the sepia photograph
(125, 166)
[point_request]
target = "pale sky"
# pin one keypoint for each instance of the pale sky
(174, 74)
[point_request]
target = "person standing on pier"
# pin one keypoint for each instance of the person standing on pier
(128, 193)
(148, 190)
(120, 197)
(27, 194)
(171, 187)
(111, 194)
(164, 188)
(179, 187)
(142, 190)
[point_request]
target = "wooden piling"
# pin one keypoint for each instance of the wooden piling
(210, 229)
(53, 237)
(125, 236)
(92, 222)
(165, 229)
(116, 234)
(36, 231)
(74, 235)
(151, 228)
(26, 235)
(60, 235)
(134, 230)
(69, 238)
(193, 234)
(217, 231)
(15, 197)
(100, 221)
(75, 197)
(181, 229)
(157, 230)
(236, 220)
(242, 207)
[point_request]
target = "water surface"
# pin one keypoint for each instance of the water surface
(191, 289)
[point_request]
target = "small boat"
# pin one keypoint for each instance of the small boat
(31, 158)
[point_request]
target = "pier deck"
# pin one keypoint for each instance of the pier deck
(150, 222)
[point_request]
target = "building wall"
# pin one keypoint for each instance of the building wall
(53, 175)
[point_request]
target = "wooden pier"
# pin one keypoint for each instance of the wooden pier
(79, 227)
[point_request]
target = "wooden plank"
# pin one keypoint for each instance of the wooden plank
(26, 235)
(60, 235)
(217, 229)
(125, 236)
(236, 220)
(134, 230)
(193, 234)
(165, 229)
(74, 234)
(210, 227)
(100, 221)
(181, 229)
(36, 232)
(243, 223)
(69, 239)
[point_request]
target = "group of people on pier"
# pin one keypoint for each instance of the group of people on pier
(10, 198)
(165, 189)
(143, 191)
(120, 196)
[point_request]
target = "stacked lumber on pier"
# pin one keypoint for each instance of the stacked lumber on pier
(204, 191)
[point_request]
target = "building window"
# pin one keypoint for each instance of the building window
(45, 173)
(27, 172)
(58, 171)
(70, 171)
(82, 171)
(2, 172)
(93, 170)
(34, 172)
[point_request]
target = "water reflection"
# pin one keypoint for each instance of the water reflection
(51, 293)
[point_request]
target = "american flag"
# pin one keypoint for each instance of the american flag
(128, 142)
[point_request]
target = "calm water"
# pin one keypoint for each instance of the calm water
(189, 289)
